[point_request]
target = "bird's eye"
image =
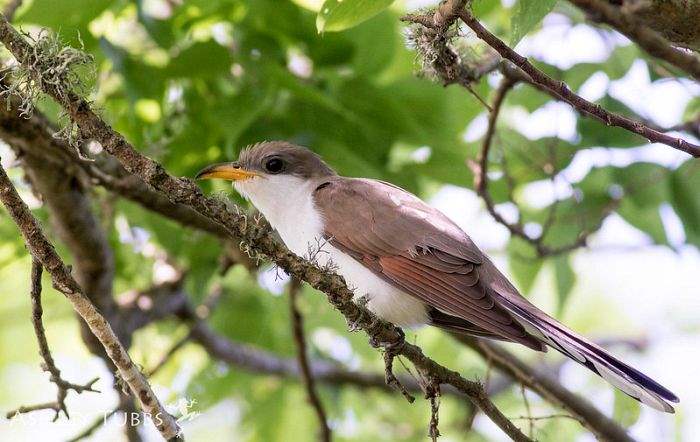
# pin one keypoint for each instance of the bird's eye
(274, 165)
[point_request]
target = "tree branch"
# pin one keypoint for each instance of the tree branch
(42, 250)
(57, 175)
(256, 360)
(548, 388)
(432, 41)
(481, 186)
(307, 378)
(63, 386)
(60, 176)
(648, 39)
(562, 90)
(449, 10)
(253, 236)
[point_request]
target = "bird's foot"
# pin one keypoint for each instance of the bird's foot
(392, 348)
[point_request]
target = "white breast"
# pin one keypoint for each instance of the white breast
(287, 203)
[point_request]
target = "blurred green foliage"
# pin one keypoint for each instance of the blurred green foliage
(193, 82)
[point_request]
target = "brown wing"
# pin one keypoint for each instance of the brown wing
(416, 248)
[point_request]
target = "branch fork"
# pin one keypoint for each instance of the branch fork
(48, 365)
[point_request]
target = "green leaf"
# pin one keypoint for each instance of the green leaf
(201, 60)
(481, 8)
(684, 185)
(311, 5)
(625, 410)
(692, 109)
(161, 31)
(645, 218)
(523, 263)
(376, 43)
(564, 279)
(62, 15)
(647, 187)
(140, 79)
(527, 14)
(620, 61)
(337, 15)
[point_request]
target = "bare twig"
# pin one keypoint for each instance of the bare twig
(255, 237)
(42, 250)
(533, 419)
(481, 186)
(450, 9)
(307, 378)
(251, 358)
(562, 90)
(549, 389)
(256, 360)
(60, 175)
(63, 386)
(391, 379)
(202, 311)
(648, 39)
(432, 393)
(528, 411)
(169, 354)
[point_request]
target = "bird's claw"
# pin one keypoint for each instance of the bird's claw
(390, 348)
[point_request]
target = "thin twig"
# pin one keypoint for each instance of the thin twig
(579, 103)
(528, 411)
(440, 58)
(449, 10)
(481, 186)
(432, 393)
(202, 311)
(49, 365)
(253, 236)
(307, 378)
(391, 379)
(533, 419)
(42, 250)
(648, 39)
(549, 389)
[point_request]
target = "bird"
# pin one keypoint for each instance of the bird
(408, 261)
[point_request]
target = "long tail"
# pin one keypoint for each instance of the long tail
(628, 379)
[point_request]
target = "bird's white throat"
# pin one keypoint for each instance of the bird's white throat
(287, 203)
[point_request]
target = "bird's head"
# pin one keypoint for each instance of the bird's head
(270, 172)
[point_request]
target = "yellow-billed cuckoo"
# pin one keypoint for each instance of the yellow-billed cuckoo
(411, 262)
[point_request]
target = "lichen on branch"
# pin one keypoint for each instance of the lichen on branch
(48, 65)
(254, 236)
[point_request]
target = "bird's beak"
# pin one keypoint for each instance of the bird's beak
(225, 171)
